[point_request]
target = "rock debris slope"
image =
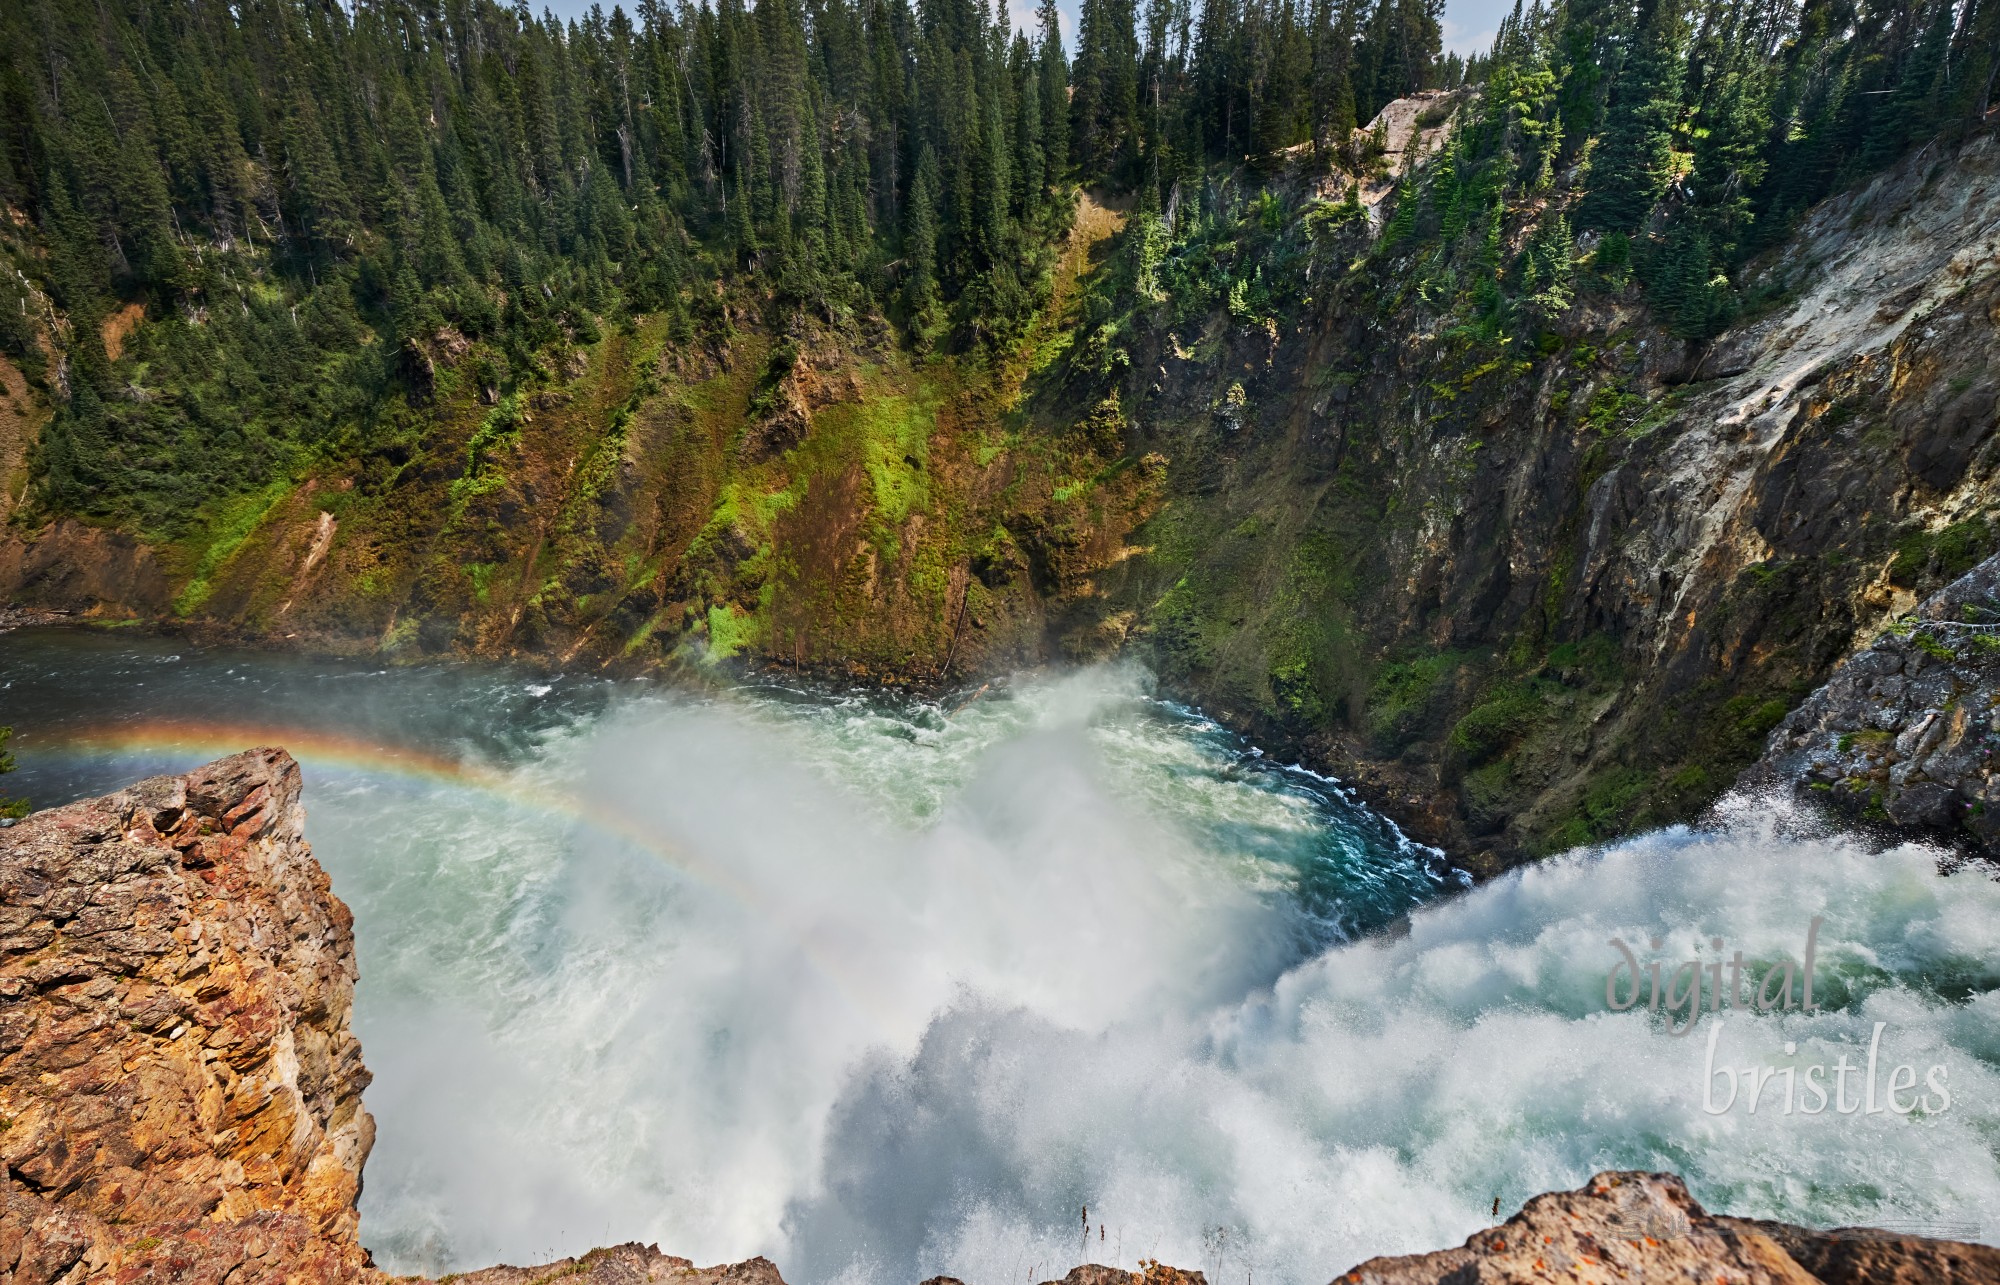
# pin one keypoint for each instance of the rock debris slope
(180, 1087)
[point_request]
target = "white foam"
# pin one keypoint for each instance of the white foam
(935, 983)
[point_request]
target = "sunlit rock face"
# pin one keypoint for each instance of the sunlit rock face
(1645, 1227)
(177, 1072)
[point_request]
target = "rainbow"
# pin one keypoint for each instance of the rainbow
(205, 741)
(201, 742)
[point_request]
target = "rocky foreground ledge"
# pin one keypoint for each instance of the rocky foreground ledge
(180, 1087)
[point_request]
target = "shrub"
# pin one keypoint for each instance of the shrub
(10, 808)
(1497, 722)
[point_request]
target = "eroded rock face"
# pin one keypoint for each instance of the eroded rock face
(1529, 604)
(179, 1081)
(1639, 1227)
(1903, 733)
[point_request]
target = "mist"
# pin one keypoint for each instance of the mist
(885, 988)
(889, 994)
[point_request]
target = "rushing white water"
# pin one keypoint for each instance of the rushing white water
(886, 990)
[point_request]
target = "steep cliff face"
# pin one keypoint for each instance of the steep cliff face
(1902, 735)
(1541, 593)
(179, 1082)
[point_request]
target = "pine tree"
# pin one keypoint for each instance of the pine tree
(1634, 163)
(1054, 76)
(1915, 107)
(920, 244)
(1546, 273)
(1333, 120)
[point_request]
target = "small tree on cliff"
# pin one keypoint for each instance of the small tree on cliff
(9, 807)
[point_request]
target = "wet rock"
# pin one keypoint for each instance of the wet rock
(1903, 733)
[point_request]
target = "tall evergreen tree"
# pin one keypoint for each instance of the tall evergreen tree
(1634, 163)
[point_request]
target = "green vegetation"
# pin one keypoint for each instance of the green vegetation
(235, 519)
(1606, 809)
(9, 807)
(332, 219)
(1681, 138)
(551, 319)
(1404, 696)
(335, 218)
(1943, 555)
(1496, 722)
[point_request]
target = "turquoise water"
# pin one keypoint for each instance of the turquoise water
(887, 988)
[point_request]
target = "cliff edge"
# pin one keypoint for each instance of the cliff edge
(179, 1079)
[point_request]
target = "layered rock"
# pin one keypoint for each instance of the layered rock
(1639, 1227)
(1903, 733)
(179, 1080)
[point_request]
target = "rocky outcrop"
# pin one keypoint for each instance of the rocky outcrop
(180, 1085)
(1642, 1227)
(1903, 733)
(628, 1264)
(179, 1081)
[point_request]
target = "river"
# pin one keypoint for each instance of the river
(886, 987)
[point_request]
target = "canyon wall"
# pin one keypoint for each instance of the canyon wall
(1525, 592)
(1543, 591)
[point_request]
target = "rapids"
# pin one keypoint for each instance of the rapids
(886, 988)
